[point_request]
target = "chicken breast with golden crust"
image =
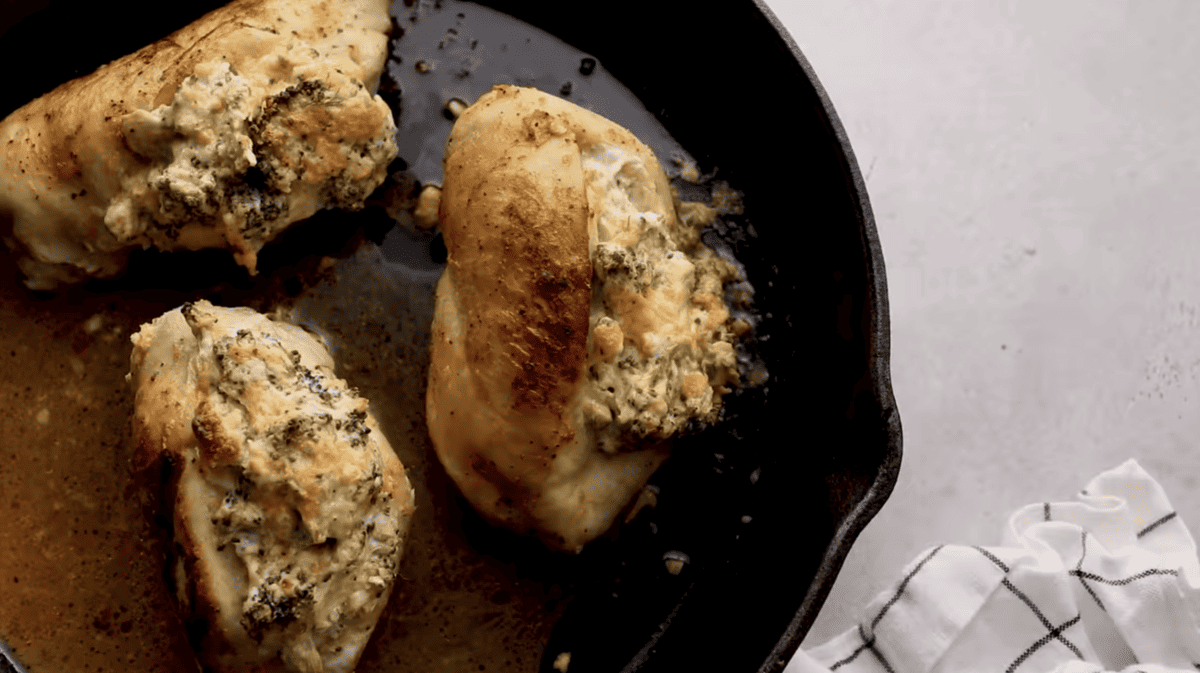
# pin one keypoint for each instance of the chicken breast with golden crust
(220, 135)
(289, 507)
(580, 323)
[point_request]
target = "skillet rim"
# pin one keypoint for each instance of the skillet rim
(886, 473)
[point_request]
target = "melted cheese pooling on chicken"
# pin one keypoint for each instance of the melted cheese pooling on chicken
(290, 506)
(662, 354)
(221, 135)
(229, 165)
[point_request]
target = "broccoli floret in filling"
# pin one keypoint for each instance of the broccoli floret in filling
(275, 603)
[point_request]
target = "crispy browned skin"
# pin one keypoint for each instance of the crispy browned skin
(518, 261)
(510, 348)
(518, 253)
(65, 154)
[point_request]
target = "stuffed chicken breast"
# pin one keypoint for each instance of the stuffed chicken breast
(220, 135)
(580, 323)
(288, 506)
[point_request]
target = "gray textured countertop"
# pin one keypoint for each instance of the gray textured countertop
(1034, 169)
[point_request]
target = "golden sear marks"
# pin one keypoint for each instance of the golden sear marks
(570, 319)
(85, 186)
(526, 287)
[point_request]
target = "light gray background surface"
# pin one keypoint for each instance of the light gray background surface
(1034, 169)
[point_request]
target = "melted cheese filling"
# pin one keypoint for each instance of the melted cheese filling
(295, 497)
(230, 164)
(661, 354)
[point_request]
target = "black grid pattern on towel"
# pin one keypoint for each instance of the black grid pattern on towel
(993, 558)
(1078, 571)
(1126, 580)
(868, 637)
(1084, 577)
(1141, 533)
(1054, 633)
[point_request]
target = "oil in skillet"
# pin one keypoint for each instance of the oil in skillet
(457, 50)
(456, 605)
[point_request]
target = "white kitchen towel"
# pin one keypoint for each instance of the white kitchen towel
(1108, 582)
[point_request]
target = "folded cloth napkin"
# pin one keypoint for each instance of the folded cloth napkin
(1110, 582)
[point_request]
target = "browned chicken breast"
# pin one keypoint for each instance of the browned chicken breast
(221, 135)
(580, 322)
(289, 506)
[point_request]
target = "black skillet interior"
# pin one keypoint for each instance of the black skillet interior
(767, 506)
(825, 439)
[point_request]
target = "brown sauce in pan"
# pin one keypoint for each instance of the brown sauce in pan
(455, 608)
(80, 560)
(81, 585)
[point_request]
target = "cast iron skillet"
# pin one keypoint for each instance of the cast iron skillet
(767, 506)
